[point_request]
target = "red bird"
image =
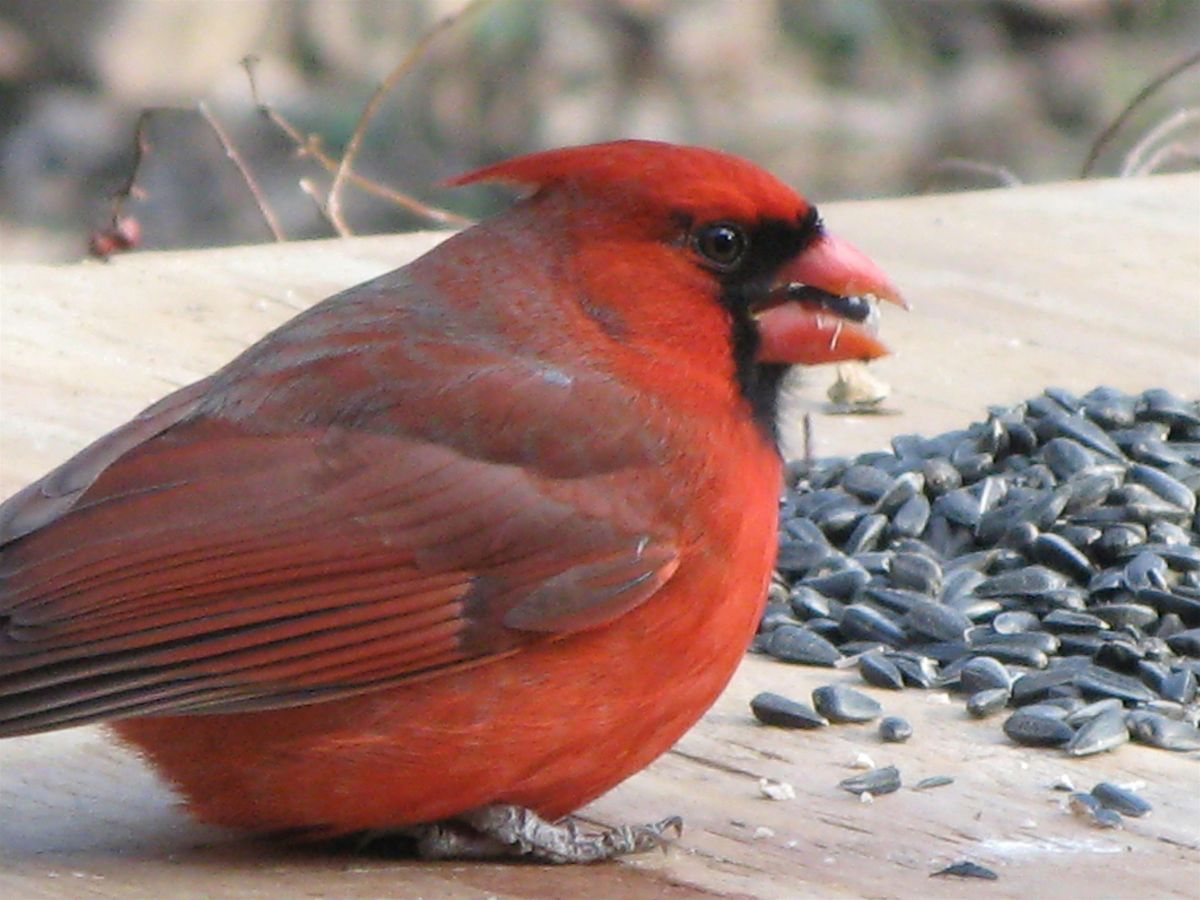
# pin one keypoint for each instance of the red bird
(461, 548)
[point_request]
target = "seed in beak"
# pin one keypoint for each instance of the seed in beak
(857, 308)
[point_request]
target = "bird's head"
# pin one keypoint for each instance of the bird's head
(667, 230)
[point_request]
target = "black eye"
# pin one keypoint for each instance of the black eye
(722, 244)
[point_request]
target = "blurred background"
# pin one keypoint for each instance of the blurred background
(843, 98)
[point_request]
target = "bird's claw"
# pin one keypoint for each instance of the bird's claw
(504, 830)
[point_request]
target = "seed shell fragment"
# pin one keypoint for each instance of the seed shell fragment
(875, 782)
(966, 869)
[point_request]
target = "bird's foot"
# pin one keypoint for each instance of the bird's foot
(505, 831)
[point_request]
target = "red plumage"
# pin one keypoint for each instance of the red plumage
(495, 527)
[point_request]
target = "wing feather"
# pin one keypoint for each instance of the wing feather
(383, 489)
(187, 596)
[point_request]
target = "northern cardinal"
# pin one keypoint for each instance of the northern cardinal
(461, 548)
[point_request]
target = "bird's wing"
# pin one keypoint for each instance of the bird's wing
(204, 559)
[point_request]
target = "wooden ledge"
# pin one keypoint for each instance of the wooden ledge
(1071, 285)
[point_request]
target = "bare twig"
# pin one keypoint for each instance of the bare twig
(1158, 143)
(227, 145)
(317, 196)
(141, 147)
(1141, 96)
(124, 232)
(413, 205)
(954, 165)
(1173, 153)
(309, 146)
(360, 129)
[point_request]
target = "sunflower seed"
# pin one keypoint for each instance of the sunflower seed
(1108, 407)
(1034, 729)
(894, 729)
(1104, 732)
(1096, 681)
(1030, 581)
(773, 709)
(793, 644)
(984, 673)
(1015, 622)
(903, 488)
(1159, 731)
(933, 620)
(1170, 489)
(882, 672)
(1179, 686)
(1159, 405)
(1087, 433)
(866, 534)
(941, 476)
(1066, 457)
(1114, 797)
(984, 703)
(865, 623)
(842, 584)
(866, 482)
(916, 670)
(917, 572)
(876, 782)
(912, 517)
(1056, 552)
(839, 703)
(1065, 620)
(1091, 710)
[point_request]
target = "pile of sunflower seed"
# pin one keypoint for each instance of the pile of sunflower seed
(1046, 561)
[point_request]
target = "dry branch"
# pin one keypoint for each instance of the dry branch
(317, 196)
(1140, 97)
(308, 146)
(124, 232)
(235, 157)
(141, 147)
(414, 56)
(1159, 144)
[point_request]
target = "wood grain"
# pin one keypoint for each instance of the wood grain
(1072, 285)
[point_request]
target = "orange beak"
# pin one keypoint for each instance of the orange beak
(822, 307)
